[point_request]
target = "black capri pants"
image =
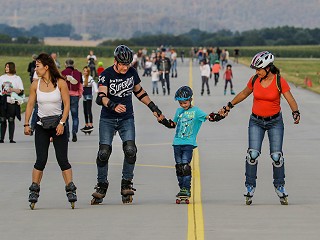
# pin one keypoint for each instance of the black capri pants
(42, 142)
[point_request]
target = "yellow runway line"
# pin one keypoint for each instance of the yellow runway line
(195, 214)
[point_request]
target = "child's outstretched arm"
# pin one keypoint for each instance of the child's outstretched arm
(215, 117)
(168, 123)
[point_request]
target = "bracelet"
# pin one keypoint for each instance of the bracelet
(230, 105)
(25, 125)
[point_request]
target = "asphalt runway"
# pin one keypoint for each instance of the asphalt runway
(217, 209)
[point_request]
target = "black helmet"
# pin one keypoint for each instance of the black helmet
(183, 93)
(123, 54)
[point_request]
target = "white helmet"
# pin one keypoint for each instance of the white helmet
(262, 60)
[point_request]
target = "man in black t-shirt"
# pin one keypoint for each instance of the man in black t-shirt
(116, 85)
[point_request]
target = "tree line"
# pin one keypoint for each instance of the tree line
(279, 36)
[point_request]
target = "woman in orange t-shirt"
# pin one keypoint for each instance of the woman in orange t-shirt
(266, 116)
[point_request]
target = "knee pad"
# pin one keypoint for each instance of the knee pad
(252, 156)
(277, 158)
(183, 169)
(103, 154)
(130, 151)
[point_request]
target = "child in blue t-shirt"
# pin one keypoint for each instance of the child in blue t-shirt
(187, 121)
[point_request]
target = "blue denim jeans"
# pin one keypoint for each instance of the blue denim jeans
(183, 154)
(74, 109)
(256, 132)
(126, 130)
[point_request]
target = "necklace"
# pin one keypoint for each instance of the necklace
(47, 83)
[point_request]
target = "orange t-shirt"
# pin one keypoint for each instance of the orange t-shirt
(216, 68)
(266, 101)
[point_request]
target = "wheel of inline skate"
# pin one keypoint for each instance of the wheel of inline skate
(187, 201)
(284, 201)
(32, 205)
(248, 200)
(72, 205)
(127, 199)
(178, 201)
(96, 201)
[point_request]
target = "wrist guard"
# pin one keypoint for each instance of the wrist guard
(215, 117)
(230, 105)
(112, 105)
(295, 115)
(168, 123)
(154, 108)
(99, 98)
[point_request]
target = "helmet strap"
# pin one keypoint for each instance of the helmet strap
(267, 73)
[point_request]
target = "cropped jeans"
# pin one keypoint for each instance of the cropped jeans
(107, 130)
(256, 132)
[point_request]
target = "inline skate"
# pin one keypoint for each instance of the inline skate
(33, 194)
(127, 191)
(183, 195)
(249, 194)
(71, 194)
(101, 191)
(282, 194)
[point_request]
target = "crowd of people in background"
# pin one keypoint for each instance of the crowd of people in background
(160, 64)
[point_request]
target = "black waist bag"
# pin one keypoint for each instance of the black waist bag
(50, 122)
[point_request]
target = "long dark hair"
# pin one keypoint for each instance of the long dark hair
(47, 60)
(12, 67)
(274, 69)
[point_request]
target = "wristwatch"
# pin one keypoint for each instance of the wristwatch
(62, 123)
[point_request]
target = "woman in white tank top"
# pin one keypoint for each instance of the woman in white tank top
(52, 95)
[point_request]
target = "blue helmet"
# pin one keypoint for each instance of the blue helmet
(184, 93)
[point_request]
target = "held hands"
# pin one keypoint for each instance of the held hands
(226, 109)
(167, 123)
(215, 117)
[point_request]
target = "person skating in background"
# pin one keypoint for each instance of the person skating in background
(32, 67)
(11, 86)
(74, 83)
(228, 76)
(155, 79)
(89, 87)
(100, 68)
(267, 87)
(164, 66)
(205, 74)
(92, 60)
(216, 71)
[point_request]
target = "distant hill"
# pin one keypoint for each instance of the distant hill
(123, 18)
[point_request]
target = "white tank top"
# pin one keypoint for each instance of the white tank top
(49, 103)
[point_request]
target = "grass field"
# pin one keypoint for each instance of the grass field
(296, 70)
